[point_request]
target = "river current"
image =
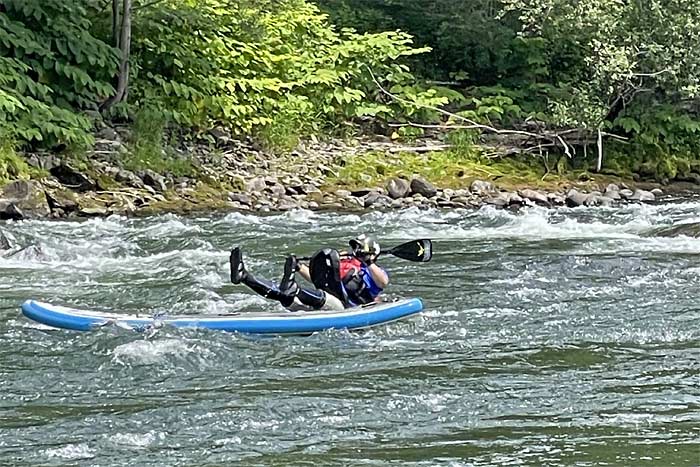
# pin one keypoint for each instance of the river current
(550, 337)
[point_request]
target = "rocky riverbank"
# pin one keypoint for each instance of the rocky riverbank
(238, 175)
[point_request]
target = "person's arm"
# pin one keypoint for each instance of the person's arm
(304, 272)
(380, 277)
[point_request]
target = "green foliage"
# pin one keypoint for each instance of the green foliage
(275, 68)
(147, 149)
(469, 43)
(51, 68)
(12, 166)
(617, 52)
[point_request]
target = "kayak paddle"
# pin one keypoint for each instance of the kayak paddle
(419, 251)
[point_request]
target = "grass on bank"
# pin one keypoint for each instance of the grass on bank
(456, 169)
(12, 165)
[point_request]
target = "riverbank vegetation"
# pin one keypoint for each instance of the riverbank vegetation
(594, 86)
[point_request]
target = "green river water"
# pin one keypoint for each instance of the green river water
(550, 337)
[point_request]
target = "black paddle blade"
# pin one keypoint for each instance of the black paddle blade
(416, 250)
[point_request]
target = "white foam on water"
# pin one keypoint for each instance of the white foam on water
(238, 218)
(71, 451)
(340, 420)
(136, 440)
(145, 352)
(169, 228)
(228, 441)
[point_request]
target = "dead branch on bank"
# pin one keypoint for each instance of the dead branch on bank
(518, 138)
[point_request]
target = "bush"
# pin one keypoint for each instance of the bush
(51, 69)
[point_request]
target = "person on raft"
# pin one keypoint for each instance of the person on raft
(351, 279)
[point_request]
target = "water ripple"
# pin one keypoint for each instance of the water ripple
(551, 337)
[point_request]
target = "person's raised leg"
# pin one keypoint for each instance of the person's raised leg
(264, 287)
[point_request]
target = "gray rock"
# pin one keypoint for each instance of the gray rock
(286, 205)
(642, 195)
(256, 184)
(129, 178)
(28, 197)
(398, 188)
(594, 199)
(626, 193)
(43, 161)
(376, 200)
(309, 188)
(71, 178)
(343, 193)
(575, 198)
(292, 190)
(691, 178)
(64, 200)
(535, 196)
(556, 199)
(4, 242)
(422, 186)
(612, 191)
(514, 198)
(241, 198)
(19, 189)
(221, 136)
(325, 170)
(108, 133)
(448, 193)
(93, 211)
(331, 206)
(277, 190)
(356, 203)
(361, 192)
(154, 180)
(500, 200)
(10, 211)
(482, 188)
(657, 192)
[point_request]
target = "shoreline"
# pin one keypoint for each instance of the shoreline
(235, 175)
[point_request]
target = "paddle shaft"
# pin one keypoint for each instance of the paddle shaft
(414, 250)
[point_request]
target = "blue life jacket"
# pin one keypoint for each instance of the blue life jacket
(357, 281)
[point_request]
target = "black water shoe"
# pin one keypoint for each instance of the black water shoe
(288, 285)
(238, 271)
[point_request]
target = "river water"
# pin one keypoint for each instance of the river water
(550, 337)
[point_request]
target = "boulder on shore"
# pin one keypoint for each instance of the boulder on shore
(398, 188)
(23, 197)
(423, 187)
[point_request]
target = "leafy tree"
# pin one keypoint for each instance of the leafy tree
(50, 66)
(627, 48)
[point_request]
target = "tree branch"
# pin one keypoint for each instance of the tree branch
(472, 124)
(150, 4)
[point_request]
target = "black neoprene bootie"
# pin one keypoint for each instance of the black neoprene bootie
(238, 272)
(288, 287)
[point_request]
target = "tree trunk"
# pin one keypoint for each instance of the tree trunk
(599, 165)
(125, 48)
(115, 23)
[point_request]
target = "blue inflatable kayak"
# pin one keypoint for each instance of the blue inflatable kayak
(299, 322)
